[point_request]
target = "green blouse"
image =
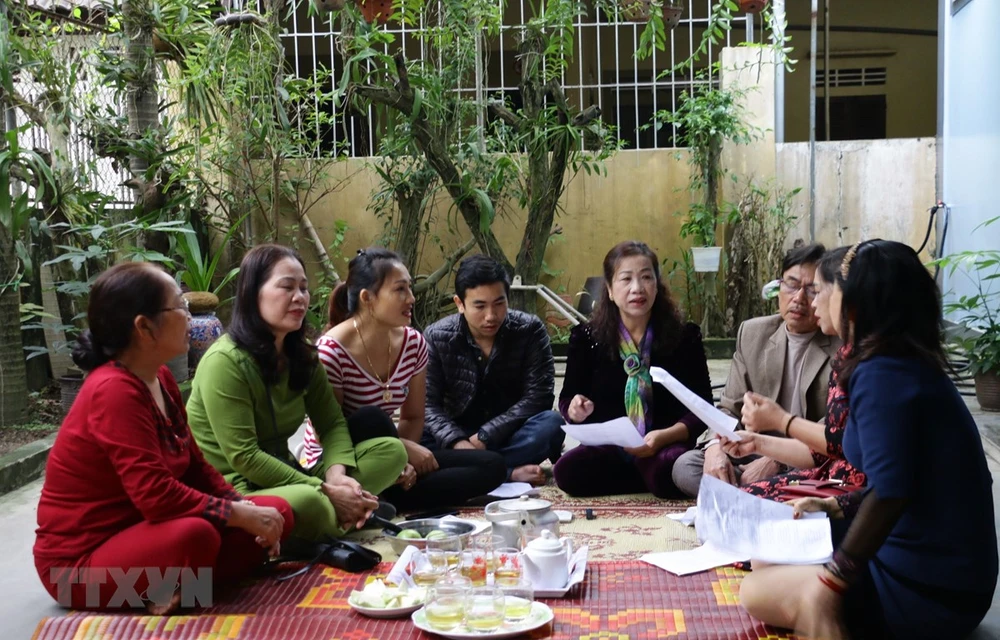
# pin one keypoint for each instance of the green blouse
(232, 422)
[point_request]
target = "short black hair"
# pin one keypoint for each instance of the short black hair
(475, 271)
(806, 254)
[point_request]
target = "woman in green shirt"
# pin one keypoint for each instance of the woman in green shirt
(255, 386)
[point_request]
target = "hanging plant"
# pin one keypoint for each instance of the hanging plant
(641, 10)
(328, 6)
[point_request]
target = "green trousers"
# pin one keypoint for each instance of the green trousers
(379, 460)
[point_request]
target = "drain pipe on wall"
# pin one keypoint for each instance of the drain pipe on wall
(812, 120)
(779, 73)
(826, 67)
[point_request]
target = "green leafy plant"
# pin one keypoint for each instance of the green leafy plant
(197, 272)
(706, 118)
(979, 312)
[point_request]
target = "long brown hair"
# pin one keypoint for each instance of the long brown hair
(893, 302)
(666, 319)
(250, 331)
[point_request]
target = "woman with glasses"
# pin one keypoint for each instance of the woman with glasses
(254, 388)
(919, 558)
(130, 508)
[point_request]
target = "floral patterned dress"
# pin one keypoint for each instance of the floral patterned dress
(830, 465)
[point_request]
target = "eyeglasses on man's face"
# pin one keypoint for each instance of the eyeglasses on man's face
(791, 286)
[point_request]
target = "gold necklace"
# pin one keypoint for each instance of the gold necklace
(386, 393)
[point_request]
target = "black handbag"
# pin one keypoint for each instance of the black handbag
(341, 554)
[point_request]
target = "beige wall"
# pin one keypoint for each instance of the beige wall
(636, 200)
(864, 189)
(910, 62)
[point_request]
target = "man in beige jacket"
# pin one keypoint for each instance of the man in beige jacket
(783, 357)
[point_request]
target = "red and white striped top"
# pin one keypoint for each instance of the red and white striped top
(362, 389)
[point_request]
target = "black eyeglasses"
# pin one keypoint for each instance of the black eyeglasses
(185, 306)
(792, 288)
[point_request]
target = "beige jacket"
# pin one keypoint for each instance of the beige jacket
(759, 365)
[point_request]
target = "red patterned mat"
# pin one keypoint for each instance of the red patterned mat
(617, 601)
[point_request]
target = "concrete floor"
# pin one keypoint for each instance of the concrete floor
(23, 601)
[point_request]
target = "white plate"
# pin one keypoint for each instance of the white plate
(540, 616)
(398, 612)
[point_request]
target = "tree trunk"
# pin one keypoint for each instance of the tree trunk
(141, 96)
(38, 369)
(13, 378)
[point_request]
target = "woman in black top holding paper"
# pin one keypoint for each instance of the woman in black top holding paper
(635, 326)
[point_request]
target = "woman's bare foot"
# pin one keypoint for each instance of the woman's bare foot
(531, 473)
(155, 609)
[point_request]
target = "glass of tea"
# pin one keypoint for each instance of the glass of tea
(508, 569)
(451, 546)
(428, 567)
(473, 566)
(517, 599)
(484, 609)
(444, 606)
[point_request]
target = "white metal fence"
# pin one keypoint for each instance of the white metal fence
(603, 70)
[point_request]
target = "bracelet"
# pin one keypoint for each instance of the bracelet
(833, 586)
(788, 425)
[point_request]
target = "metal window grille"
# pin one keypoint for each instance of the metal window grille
(863, 77)
(603, 70)
(98, 173)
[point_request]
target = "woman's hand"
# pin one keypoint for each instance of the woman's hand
(420, 457)
(762, 414)
(264, 523)
(650, 448)
(408, 477)
(352, 504)
(819, 611)
(829, 506)
(580, 408)
(748, 444)
(718, 465)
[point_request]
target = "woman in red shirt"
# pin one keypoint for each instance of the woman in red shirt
(131, 515)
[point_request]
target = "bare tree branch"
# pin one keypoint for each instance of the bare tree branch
(500, 110)
(34, 113)
(445, 268)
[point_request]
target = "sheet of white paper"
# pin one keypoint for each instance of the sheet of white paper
(686, 518)
(398, 575)
(683, 563)
(714, 419)
(761, 529)
(620, 432)
(513, 490)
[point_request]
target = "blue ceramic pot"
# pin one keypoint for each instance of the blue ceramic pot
(205, 329)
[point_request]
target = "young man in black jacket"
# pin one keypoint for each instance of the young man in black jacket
(491, 376)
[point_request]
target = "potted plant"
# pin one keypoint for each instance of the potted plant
(979, 341)
(705, 119)
(198, 276)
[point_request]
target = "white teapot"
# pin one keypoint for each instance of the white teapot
(546, 560)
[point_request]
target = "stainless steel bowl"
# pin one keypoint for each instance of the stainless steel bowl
(461, 529)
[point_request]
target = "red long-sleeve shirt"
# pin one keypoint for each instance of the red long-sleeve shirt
(118, 461)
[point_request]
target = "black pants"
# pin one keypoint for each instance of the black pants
(462, 474)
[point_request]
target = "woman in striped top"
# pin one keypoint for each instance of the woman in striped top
(373, 358)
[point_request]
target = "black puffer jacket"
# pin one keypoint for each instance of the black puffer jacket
(519, 375)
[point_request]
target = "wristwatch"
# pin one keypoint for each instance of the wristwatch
(484, 437)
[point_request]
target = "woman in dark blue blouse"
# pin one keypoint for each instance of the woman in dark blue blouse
(919, 559)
